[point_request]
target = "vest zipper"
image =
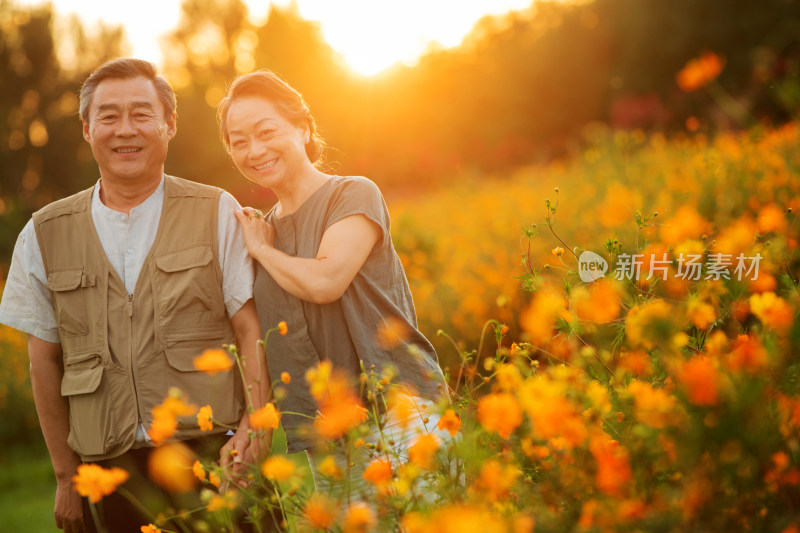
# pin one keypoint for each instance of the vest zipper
(133, 366)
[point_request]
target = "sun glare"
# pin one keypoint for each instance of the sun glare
(373, 35)
(370, 35)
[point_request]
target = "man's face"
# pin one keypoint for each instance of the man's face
(128, 131)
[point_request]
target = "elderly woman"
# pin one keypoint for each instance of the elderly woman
(327, 265)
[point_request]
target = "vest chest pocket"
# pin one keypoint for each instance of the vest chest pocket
(69, 300)
(186, 283)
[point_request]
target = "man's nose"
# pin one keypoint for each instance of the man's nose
(125, 125)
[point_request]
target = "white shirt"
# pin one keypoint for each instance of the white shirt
(126, 239)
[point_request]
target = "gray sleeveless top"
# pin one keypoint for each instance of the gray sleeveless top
(344, 332)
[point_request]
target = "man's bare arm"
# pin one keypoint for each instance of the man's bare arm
(248, 332)
(53, 409)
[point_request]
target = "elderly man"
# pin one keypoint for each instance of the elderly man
(120, 286)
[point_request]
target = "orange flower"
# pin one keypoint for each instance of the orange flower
(320, 511)
(283, 329)
(94, 481)
(552, 413)
(613, 468)
(213, 361)
(392, 333)
(599, 303)
(340, 408)
(701, 314)
(379, 473)
(495, 481)
(558, 251)
(771, 218)
(653, 407)
(748, 355)
(278, 468)
(422, 452)
(150, 528)
(700, 378)
(359, 518)
(265, 418)
(450, 422)
(699, 72)
(204, 418)
(685, 224)
(199, 471)
(540, 316)
(772, 310)
(214, 479)
(165, 417)
(499, 413)
(171, 467)
(286, 378)
(636, 362)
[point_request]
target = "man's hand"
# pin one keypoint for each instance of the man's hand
(233, 457)
(68, 510)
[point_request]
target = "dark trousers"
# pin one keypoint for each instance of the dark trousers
(118, 514)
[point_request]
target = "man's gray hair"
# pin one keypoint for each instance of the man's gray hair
(124, 69)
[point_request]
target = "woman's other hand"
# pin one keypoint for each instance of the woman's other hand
(257, 232)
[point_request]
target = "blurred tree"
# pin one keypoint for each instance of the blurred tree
(42, 152)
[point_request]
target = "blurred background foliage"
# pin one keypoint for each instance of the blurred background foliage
(520, 89)
(465, 144)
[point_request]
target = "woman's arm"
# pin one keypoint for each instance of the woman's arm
(343, 250)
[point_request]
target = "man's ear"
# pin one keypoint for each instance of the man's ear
(86, 133)
(172, 125)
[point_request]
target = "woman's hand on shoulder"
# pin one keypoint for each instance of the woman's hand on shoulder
(257, 232)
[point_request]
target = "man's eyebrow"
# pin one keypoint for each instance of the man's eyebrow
(117, 107)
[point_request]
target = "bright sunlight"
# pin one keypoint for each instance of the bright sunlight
(371, 35)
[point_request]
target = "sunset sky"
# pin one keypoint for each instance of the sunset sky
(371, 35)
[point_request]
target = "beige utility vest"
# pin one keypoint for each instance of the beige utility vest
(123, 352)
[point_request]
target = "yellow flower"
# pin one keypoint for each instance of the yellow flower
(150, 528)
(282, 327)
(495, 480)
(286, 378)
(94, 481)
(320, 511)
(214, 479)
(422, 452)
(171, 467)
(328, 467)
(558, 251)
(204, 418)
(278, 468)
(499, 413)
(199, 471)
(450, 422)
(265, 418)
(359, 518)
(228, 500)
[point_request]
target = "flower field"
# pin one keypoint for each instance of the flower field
(662, 396)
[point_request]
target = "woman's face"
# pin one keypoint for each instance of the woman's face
(265, 147)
